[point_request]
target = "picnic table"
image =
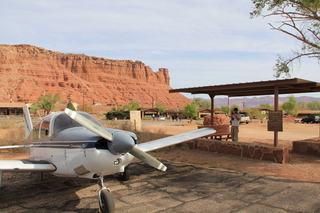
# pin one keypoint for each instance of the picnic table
(222, 132)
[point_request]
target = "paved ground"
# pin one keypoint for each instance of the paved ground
(183, 188)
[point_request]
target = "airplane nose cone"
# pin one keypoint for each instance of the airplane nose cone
(121, 143)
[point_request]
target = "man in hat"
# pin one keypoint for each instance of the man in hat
(235, 122)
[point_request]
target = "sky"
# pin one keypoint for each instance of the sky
(200, 42)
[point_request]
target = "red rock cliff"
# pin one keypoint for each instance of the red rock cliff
(27, 72)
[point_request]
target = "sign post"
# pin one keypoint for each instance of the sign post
(275, 123)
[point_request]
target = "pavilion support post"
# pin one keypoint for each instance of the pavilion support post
(276, 106)
(229, 114)
(212, 109)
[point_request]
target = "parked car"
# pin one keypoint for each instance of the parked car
(244, 119)
(311, 119)
(161, 118)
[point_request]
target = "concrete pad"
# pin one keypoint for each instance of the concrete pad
(182, 188)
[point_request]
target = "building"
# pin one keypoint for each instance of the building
(11, 109)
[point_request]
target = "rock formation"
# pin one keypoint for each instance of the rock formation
(219, 119)
(27, 72)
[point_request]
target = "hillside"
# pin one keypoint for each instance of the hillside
(27, 72)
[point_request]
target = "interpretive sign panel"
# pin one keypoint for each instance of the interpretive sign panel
(275, 122)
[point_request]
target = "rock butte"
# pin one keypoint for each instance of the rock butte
(27, 72)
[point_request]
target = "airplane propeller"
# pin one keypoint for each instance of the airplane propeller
(118, 142)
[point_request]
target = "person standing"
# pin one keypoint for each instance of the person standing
(235, 122)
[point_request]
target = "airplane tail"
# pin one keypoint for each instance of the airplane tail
(27, 121)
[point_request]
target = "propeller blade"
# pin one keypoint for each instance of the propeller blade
(148, 159)
(138, 153)
(88, 124)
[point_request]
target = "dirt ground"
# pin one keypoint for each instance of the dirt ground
(300, 167)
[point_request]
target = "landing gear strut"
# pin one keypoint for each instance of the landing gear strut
(106, 202)
(125, 175)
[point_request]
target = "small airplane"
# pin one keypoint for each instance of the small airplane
(75, 144)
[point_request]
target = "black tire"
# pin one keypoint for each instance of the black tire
(125, 175)
(106, 202)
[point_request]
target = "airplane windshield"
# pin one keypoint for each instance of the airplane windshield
(63, 121)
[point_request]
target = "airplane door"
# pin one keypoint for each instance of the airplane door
(58, 157)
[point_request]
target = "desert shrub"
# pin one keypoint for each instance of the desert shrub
(145, 136)
(10, 124)
(14, 136)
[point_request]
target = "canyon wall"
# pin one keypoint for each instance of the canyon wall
(27, 72)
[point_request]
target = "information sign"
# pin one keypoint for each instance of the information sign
(275, 122)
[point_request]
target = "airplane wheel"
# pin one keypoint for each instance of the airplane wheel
(125, 175)
(106, 201)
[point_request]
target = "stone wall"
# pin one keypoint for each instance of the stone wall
(307, 147)
(254, 151)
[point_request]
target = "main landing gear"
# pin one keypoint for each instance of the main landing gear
(124, 176)
(106, 201)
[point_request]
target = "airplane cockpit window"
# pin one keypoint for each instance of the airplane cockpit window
(63, 121)
(41, 130)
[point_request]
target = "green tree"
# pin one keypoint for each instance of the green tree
(266, 106)
(70, 106)
(191, 111)
(201, 103)
(302, 105)
(255, 114)
(161, 107)
(225, 109)
(133, 105)
(291, 106)
(300, 20)
(46, 102)
(313, 105)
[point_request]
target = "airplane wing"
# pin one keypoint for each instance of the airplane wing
(175, 139)
(26, 166)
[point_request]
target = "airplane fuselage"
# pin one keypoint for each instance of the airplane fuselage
(73, 149)
(81, 162)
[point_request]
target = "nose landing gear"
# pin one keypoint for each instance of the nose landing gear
(106, 201)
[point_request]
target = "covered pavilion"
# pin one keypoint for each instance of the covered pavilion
(275, 87)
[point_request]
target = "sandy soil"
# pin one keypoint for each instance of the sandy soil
(300, 167)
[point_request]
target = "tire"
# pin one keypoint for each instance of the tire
(125, 175)
(106, 201)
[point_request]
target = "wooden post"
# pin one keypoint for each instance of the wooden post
(276, 103)
(212, 109)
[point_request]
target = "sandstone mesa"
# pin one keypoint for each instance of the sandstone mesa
(27, 72)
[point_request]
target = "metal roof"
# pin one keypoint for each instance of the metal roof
(285, 86)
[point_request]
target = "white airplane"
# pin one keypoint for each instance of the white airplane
(75, 144)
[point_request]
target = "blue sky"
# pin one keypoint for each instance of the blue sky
(201, 42)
